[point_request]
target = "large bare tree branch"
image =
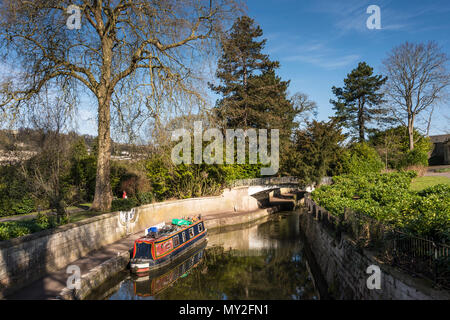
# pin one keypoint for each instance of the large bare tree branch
(417, 80)
(123, 47)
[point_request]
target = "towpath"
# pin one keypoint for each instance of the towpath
(51, 285)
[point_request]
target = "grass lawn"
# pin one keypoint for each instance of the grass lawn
(18, 228)
(425, 182)
(86, 205)
(78, 216)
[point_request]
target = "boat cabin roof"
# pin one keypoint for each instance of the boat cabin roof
(166, 232)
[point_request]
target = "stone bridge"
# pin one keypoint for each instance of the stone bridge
(263, 188)
(266, 185)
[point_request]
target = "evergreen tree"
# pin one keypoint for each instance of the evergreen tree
(317, 150)
(253, 96)
(358, 102)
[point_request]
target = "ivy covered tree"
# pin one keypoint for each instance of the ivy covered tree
(359, 101)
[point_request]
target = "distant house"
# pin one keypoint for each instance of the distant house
(441, 150)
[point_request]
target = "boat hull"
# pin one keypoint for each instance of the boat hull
(143, 267)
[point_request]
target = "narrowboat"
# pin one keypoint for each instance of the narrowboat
(164, 243)
(151, 285)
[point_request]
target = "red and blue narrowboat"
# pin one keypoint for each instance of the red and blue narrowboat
(145, 286)
(164, 243)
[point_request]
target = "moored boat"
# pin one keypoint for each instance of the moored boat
(162, 244)
(154, 283)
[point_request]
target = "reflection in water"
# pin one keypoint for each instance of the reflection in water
(262, 261)
(152, 285)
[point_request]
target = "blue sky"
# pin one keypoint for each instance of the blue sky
(318, 42)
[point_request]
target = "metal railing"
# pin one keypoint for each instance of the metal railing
(264, 181)
(420, 256)
(273, 181)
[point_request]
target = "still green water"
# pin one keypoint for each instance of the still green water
(264, 260)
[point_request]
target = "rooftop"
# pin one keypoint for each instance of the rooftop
(440, 138)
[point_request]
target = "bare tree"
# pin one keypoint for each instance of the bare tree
(45, 171)
(146, 50)
(417, 81)
(307, 109)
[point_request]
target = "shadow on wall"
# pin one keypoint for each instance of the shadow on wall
(22, 262)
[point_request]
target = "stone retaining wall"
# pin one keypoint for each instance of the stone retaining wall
(26, 259)
(344, 266)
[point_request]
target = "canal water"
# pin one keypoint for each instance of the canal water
(263, 260)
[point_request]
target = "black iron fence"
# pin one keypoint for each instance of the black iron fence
(274, 181)
(420, 256)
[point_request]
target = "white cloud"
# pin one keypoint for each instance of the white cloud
(325, 61)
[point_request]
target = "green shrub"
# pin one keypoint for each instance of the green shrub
(393, 146)
(124, 204)
(42, 220)
(145, 198)
(413, 158)
(182, 181)
(10, 230)
(388, 199)
(26, 205)
(361, 159)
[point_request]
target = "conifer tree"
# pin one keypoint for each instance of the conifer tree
(253, 96)
(359, 101)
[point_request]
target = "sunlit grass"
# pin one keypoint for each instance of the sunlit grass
(421, 183)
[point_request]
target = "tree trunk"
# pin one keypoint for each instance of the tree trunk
(361, 120)
(103, 196)
(411, 131)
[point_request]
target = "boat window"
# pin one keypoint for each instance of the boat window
(191, 232)
(176, 241)
(183, 234)
(200, 227)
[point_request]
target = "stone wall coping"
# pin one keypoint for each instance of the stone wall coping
(48, 232)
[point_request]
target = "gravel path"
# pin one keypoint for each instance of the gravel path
(431, 171)
(33, 215)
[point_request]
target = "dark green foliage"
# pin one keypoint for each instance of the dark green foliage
(358, 102)
(15, 195)
(316, 150)
(15, 229)
(239, 68)
(145, 198)
(413, 157)
(360, 159)
(124, 204)
(253, 96)
(82, 171)
(169, 181)
(393, 147)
